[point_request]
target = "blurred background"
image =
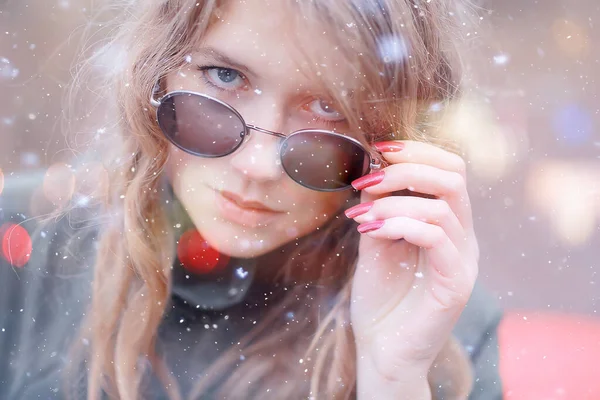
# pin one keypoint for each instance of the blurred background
(534, 149)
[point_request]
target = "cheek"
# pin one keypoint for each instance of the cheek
(187, 170)
(315, 209)
(181, 167)
(332, 203)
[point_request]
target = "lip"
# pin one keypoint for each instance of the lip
(248, 213)
(249, 205)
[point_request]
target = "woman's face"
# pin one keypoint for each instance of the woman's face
(244, 204)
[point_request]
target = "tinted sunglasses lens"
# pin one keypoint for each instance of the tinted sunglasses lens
(200, 125)
(323, 161)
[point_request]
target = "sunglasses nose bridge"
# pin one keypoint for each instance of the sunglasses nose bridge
(281, 137)
(265, 131)
(258, 160)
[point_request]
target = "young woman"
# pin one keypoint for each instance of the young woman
(282, 220)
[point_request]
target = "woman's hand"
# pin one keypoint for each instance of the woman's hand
(417, 264)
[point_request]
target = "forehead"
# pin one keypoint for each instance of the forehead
(268, 37)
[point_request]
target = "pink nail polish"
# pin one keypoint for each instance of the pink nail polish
(359, 209)
(370, 226)
(389, 147)
(368, 180)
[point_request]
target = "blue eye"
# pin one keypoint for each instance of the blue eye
(226, 75)
(227, 79)
(324, 110)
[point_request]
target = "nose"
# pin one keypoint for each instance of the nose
(258, 159)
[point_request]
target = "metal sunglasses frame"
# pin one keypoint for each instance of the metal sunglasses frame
(374, 162)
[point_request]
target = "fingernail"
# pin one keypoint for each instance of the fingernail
(368, 180)
(370, 226)
(389, 147)
(359, 209)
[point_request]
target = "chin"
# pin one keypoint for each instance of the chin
(245, 250)
(235, 242)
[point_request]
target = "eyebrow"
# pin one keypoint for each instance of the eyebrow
(217, 57)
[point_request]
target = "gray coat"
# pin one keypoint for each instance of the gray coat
(41, 306)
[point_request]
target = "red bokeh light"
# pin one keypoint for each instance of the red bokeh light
(16, 244)
(197, 255)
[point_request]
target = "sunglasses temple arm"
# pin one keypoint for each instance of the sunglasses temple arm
(376, 163)
(155, 91)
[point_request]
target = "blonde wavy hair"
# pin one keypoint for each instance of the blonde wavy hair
(399, 97)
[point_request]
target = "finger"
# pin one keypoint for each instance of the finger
(443, 255)
(431, 211)
(366, 197)
(422, 178)
(411, 151)
(440, 292)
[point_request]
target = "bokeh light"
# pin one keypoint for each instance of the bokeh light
(197, 256)
(492, 148)
(16, 244)
(573, 124)
(392, 49)
(568, 193)
(59, 184)
(7, 70)
(571, 38)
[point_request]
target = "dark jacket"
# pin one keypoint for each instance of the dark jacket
(42, 303)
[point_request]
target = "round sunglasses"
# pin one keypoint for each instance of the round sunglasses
(207, 127)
